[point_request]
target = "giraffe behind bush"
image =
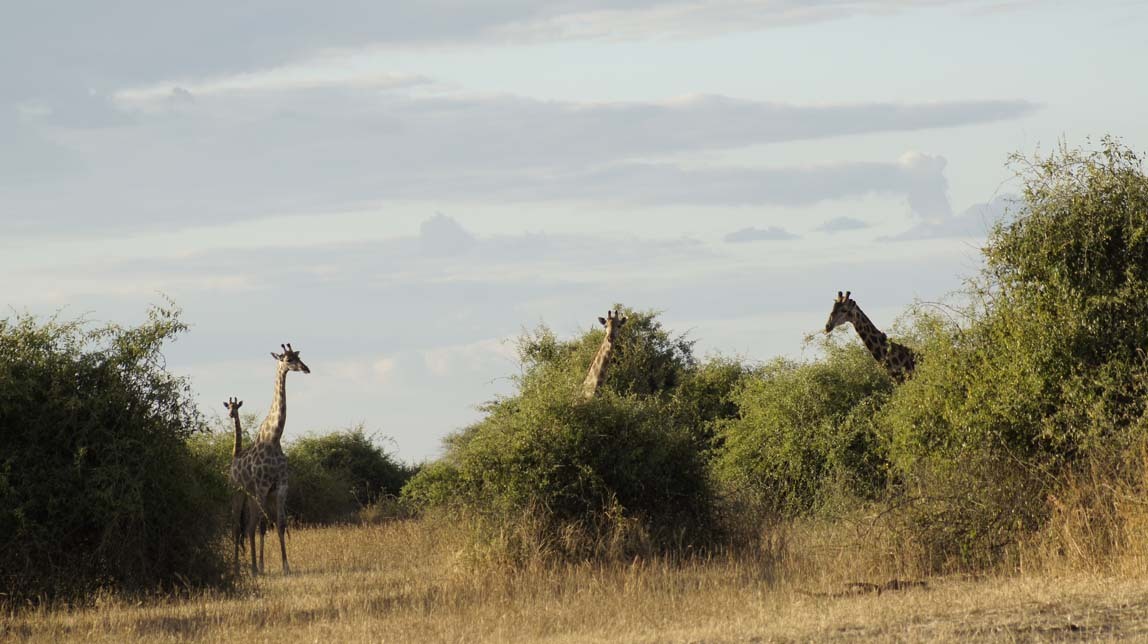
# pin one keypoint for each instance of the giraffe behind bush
(897, 359)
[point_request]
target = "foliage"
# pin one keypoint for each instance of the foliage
(334, 476)
(1047, 365)
(627, 460)
(97, 485)
(805, 430)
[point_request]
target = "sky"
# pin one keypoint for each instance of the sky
(401, 189)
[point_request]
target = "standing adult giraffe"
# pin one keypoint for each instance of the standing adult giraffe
(897, 359)
(262, 467)
(613, 321)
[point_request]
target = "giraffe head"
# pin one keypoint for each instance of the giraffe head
(843, 309)
(613, 321)
(233, 405)
(289, 359)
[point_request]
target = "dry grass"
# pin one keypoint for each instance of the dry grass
(411, 581)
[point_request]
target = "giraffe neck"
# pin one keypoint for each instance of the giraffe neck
(873, 338)
(238, 439)
(598, 368)
(271, 431)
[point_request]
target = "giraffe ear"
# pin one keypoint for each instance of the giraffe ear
(603, 321)
(276, 356)
(227, 405)
(622, 321)
(239, 405)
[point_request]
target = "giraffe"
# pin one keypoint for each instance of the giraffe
(235, 477)
(613, 321)
(897, 359)
(262, 468)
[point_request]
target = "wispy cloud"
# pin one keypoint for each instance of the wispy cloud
(229, 157)
(841, 224)
(772, 233)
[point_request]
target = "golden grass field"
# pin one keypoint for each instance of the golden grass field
(412, 582)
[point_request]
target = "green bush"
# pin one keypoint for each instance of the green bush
(804, 433)
(97, 485)
(1046, 366)
(334, 476)
(626, 460)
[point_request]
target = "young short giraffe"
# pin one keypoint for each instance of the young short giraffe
(262, 467)
(239, 498)
(613, 321)
(897, 359)
(238, 501)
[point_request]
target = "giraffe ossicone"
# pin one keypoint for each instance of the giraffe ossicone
(898, 360)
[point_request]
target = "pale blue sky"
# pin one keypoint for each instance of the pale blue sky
(397, 189)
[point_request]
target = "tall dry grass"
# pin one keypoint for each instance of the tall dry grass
(1098, 520)
(426, 580)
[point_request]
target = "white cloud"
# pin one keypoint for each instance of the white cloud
(928, 189)
(383, 368)
(973, 222)
(628, 21)
(483, 356)
(363, 373)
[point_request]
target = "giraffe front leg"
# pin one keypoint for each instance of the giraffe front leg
(281, 522)
(238, 523)
(254, 512)
(262, 540)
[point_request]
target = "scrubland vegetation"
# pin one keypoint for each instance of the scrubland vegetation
(694, 498)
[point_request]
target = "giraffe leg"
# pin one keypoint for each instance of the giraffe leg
(238, 523)
(281, 522)
(263, 529)
(254, 512)
(262, 540)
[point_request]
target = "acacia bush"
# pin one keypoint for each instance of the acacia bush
(1046, 369)
(335, 476)
(582, 472)
(97, 485)
(804, 434)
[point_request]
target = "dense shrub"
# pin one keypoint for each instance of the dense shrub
(97, 485)
(630, 459)
(334, 476)
(1046, 366)
(805, 433)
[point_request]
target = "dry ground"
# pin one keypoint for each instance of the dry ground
(406, 582)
